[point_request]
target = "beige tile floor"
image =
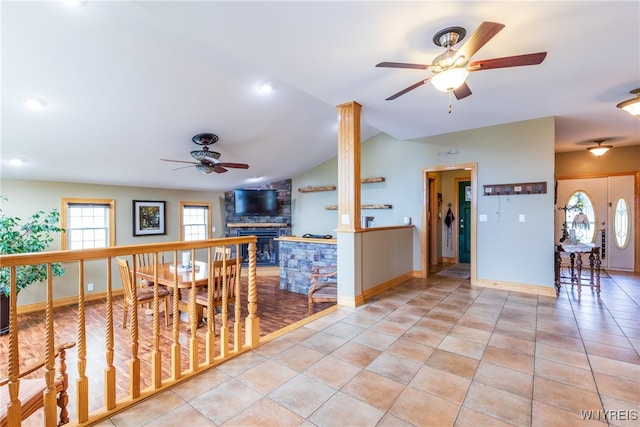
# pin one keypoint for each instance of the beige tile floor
(431, 353)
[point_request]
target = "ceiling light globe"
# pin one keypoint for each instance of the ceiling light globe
(598, 151)
(450, 80)
(35, 104)
(265, 87)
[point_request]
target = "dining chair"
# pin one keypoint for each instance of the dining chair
(147, 260)
(139, 295)
(31, 390)
(224, 275)
(221, 253)
(324, 287)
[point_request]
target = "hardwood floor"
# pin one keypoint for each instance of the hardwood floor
(276, 309)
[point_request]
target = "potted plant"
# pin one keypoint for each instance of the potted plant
(16, 237)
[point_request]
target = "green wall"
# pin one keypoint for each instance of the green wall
(507, 250)
(27, 197)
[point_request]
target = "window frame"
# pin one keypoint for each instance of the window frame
(64, 217)
(207, 205)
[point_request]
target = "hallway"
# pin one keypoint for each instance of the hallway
(431, 352)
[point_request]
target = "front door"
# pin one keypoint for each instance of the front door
(610, 220)
(464, 221)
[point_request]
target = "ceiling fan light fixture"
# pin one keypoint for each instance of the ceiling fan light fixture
(632, 106)
(205, 168)
(201, 155)
(449, 80)
(599, 149)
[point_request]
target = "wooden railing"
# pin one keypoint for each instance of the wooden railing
(228, 345)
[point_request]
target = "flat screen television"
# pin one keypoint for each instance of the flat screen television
(256, 202)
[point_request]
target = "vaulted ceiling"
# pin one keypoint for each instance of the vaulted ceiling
(129, 83)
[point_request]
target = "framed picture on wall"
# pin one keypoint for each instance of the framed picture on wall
(148, 218)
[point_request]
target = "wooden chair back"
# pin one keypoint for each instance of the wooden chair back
(224, 275)
(221, 253)
(147, 259)
(143, 295)
(324, 286)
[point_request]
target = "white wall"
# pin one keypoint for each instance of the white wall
(507, 250)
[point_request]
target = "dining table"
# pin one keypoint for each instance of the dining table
(186, 277)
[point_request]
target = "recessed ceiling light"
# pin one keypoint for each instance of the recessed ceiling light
(265, 87)
(35, 104)
(17, 162)
(255, 178)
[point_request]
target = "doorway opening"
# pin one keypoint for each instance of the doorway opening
(449, 234)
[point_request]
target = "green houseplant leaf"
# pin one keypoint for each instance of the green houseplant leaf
(34, 235)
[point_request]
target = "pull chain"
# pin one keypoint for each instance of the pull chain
(449, 102)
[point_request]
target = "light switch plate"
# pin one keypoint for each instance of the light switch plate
(522, 218)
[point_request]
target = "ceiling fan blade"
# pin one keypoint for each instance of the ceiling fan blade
(402, 65)
(410, 88)
(462, 91)
(233, 165)
(180, 161)
(485, 32)
(508, 61)
(217, 168)
(183, 167)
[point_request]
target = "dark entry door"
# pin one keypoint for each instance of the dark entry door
(464, 222)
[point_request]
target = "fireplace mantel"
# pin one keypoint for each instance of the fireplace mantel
(257, 224)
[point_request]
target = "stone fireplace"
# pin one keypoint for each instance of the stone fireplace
(265, 228)
(266, 247)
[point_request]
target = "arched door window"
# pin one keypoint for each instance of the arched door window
(580, 217)
(621, 223)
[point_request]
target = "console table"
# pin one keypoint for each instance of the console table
(575, 252)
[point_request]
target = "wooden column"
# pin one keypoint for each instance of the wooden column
(349, 167)
(349, 230)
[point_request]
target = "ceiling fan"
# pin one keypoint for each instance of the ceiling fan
(452, 67)
(207, 161)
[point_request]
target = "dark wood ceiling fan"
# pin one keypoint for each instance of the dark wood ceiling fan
(207, 160)
(457, 62)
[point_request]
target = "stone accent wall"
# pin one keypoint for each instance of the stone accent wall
(283, 217)
(298, 258)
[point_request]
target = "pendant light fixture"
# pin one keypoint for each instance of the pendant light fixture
(599, 149)
(632, 106)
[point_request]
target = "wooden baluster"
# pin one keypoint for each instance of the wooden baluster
(82, 383)
(50, 416)
(193, 318)
(110, 370)
(224, 329)
(156, 354)
(237, 326)
(14, 408)
(134, 363)
(63, 399)
(252, 322)
(211, 321)
(176, 369)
